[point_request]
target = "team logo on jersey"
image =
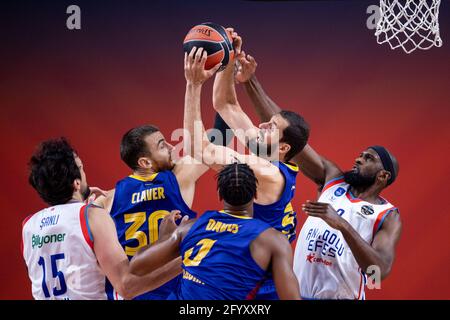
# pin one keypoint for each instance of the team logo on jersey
(339, 192)
(367, 210)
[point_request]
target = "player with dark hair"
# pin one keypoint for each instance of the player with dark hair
(157, 186)
(70, 247)
(278, 140)
(350, 229)
(276, 180)
(226, 254)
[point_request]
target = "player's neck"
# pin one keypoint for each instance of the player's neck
(370, 194)
(144, 173)
(244, 210)
(76, 197)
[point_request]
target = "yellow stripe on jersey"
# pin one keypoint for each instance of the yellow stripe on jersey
(240, 217)
(153, 176)
(292, 166)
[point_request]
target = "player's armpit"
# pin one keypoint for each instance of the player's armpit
(386, 240)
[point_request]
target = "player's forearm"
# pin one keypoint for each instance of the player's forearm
(155, 256)
(193, 120)
(224, 91)
(365, 255)
(134, 285)
(264, 106)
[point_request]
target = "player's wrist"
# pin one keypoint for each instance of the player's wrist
(342, 225)
(193, 85)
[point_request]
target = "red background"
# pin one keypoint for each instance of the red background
(124, 68)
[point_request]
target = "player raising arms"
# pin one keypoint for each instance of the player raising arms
(157, 186)
(351, 227)
(70, 247)
(281, 138)
(226, 254)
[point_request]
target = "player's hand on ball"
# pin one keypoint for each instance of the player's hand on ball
(168, 224)
(246, 67)
(324, 211)
(237, 40)
(194, 66)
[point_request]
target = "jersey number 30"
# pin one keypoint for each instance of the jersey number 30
(137, 220)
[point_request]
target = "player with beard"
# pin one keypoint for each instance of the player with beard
(274, 144)
(141, 200)
(351, 227)
(70, 247)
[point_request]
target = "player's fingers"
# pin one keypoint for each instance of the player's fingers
(230, 29)
(192, 52)
(318, 204)
(184, 220)
(214, 69)
(198, 55)
(238, 44)
(309, 207)
(185, 59)
(312, 214)
(191, 55)
(203, 58)
(313, 211)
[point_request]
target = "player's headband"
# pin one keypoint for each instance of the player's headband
(387, 162)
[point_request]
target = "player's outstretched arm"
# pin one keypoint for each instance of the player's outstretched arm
(225, 100)
(114, 263)
(189, 169)
(380, 252)
(216, 156)
(313, 165)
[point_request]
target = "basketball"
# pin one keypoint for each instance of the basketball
(214, 39)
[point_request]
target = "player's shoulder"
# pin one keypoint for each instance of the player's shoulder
(333, 181)
(28, 218)
(273, 240)
(289, 166)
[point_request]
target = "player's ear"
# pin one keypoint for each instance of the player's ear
(383, 176)
(144, 163)
(284, 147)
(76, 185)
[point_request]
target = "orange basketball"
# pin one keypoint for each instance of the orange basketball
(216, 41)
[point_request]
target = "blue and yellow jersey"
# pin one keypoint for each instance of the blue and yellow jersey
(280, 214)
(138, 207)
(217, 262)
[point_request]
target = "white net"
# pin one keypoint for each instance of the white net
(409, 24)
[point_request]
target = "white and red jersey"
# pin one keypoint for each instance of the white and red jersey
(323, 262)
(58, 252)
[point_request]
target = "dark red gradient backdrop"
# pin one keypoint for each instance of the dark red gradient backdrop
(124, 68)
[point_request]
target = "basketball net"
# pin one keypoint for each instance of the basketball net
(409, 24)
